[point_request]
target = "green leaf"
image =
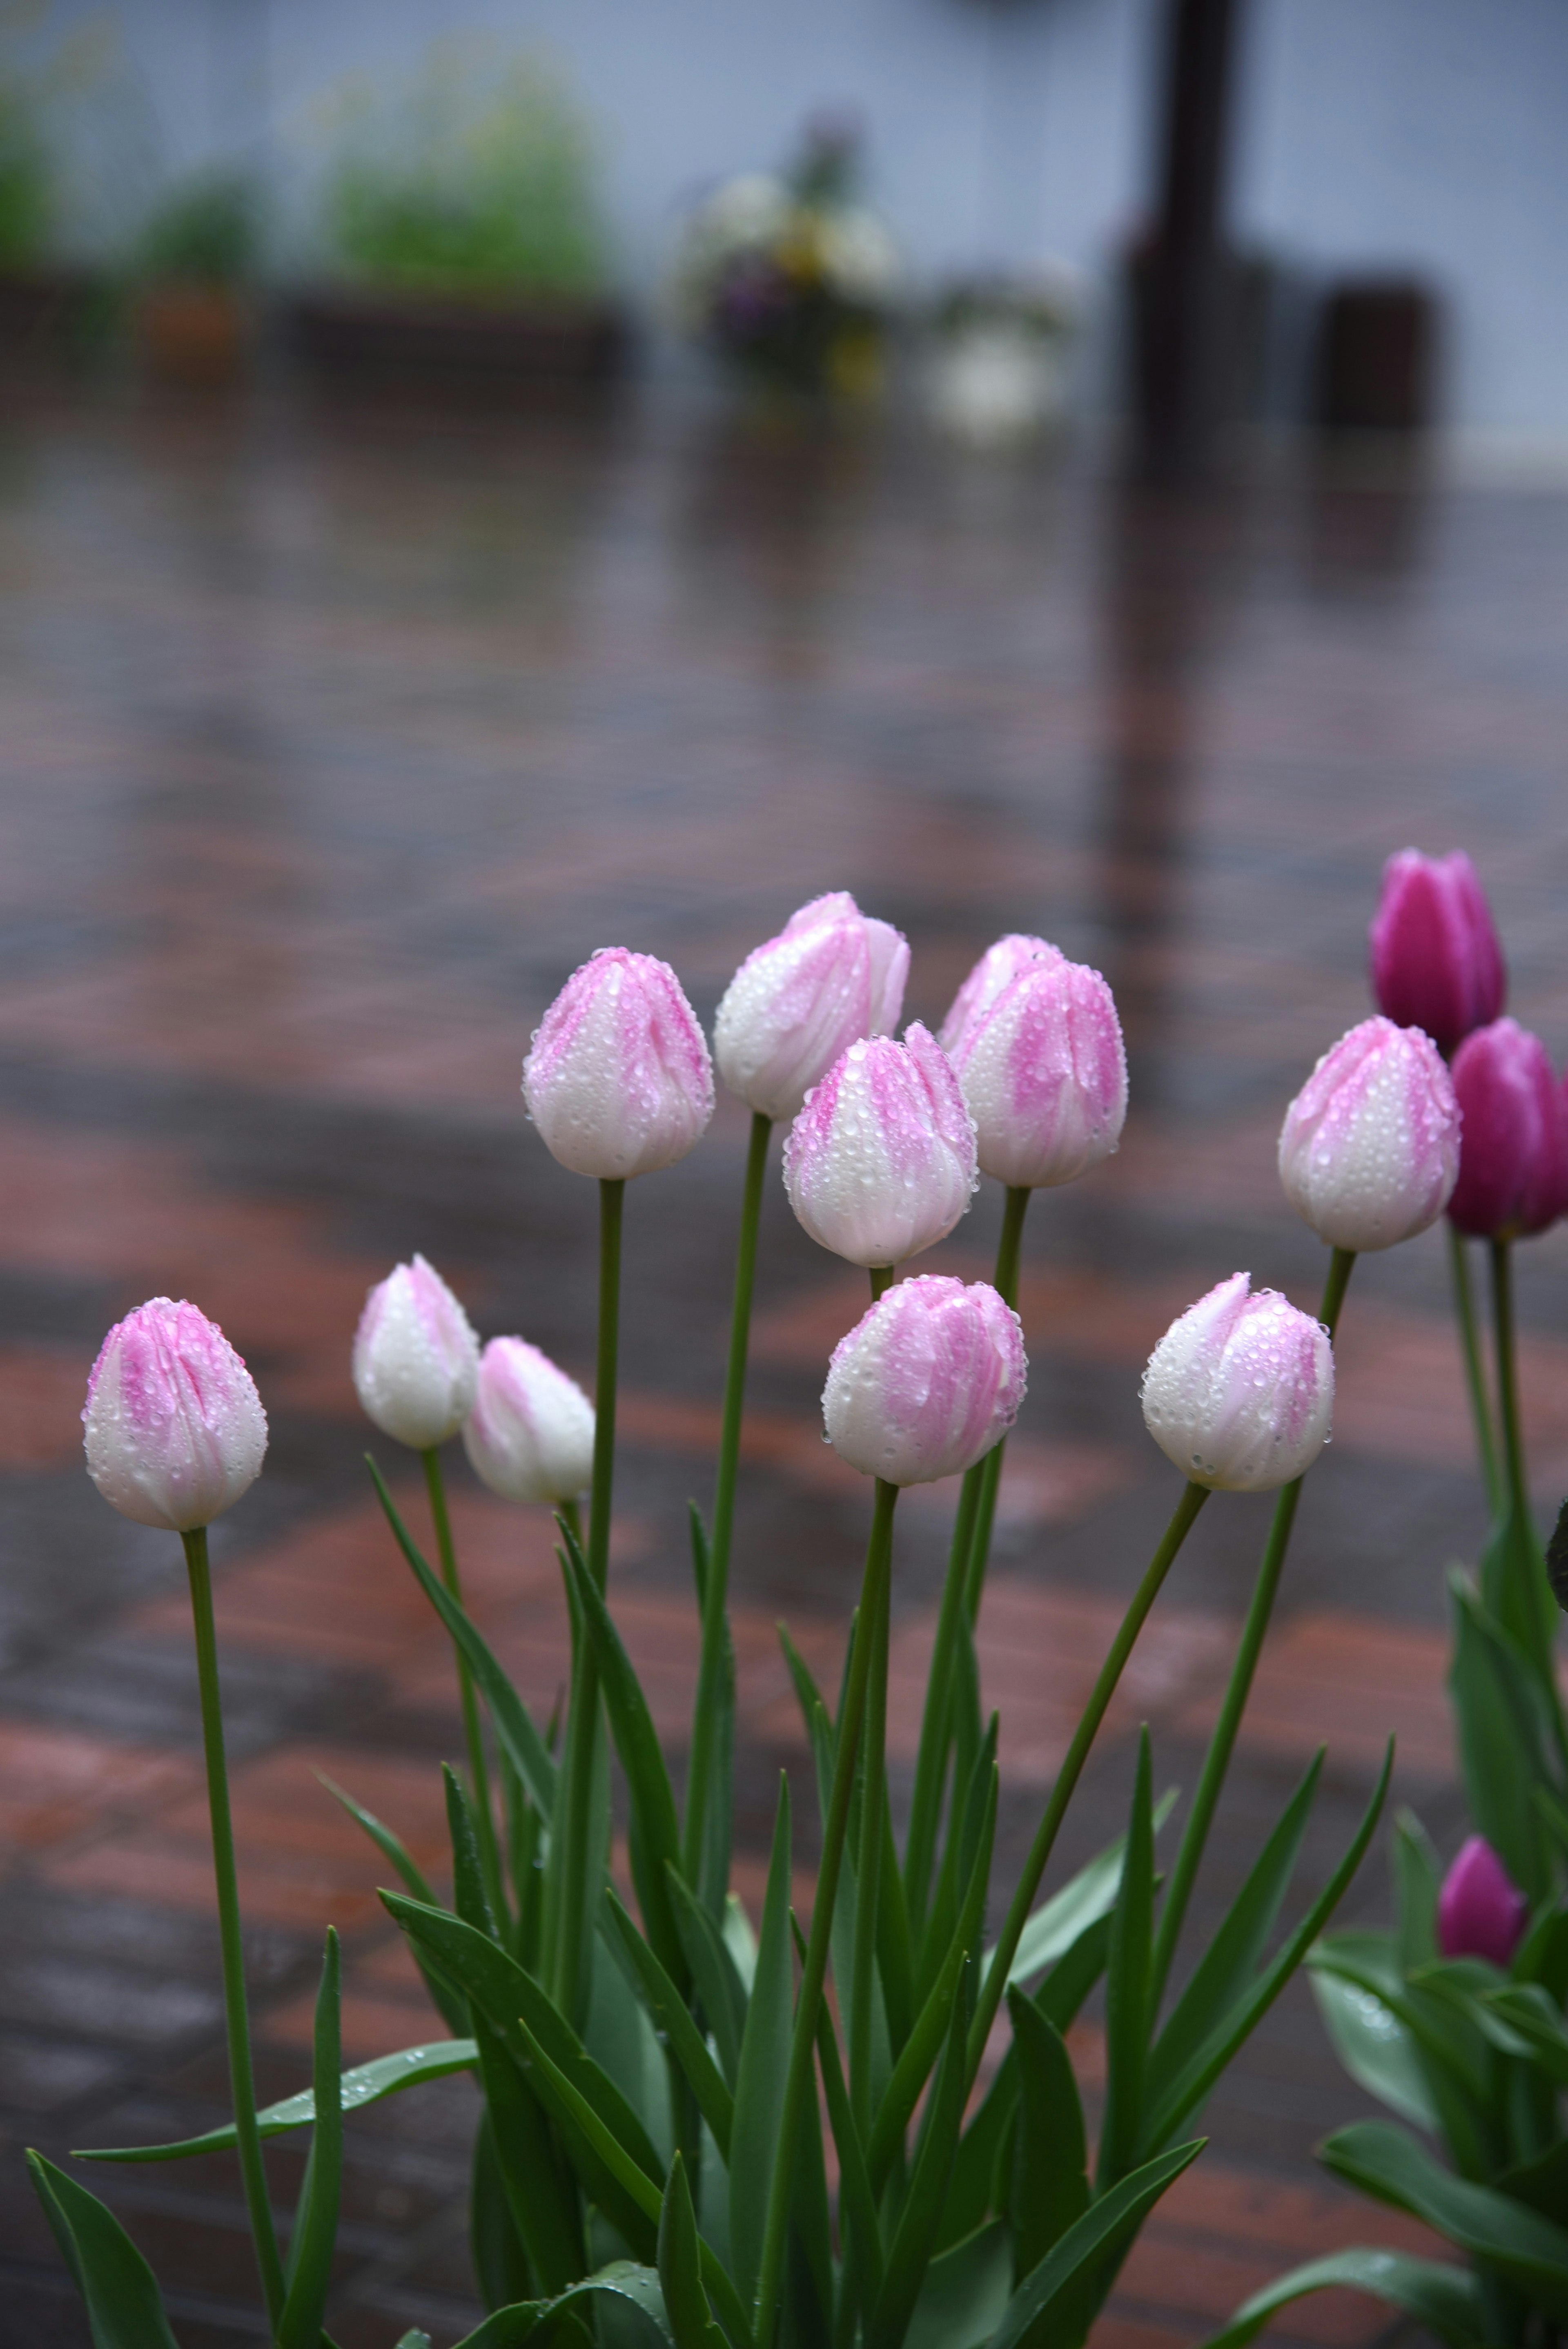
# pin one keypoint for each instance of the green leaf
(764, 2061)
(1542, 2183)
(1418, 1879)
(1062, 1920)
(1092, 2240)
(1192, 2083)
(124, 2308)
(624, 2283)
(913, 2243)
(713, 1973)
(1444, 2299)
(1497, 1710)
(973, 2193)
(680, 2268)
(1382, 2161)
(392, 1848)
(857, 2201)
(734, 1928)
(1074, 1975)
(807, 1695)
(469, 1897)
(1456, 2065)
(314, 2236)
(1371, 2041)
(654, 1832)
(368, 2084)
(1126, 1983)
(500, 2259)
(964, 2292)
(513, 1726)
(1528, 2011)
(415, 2339)
(540, 2197)
(1228, 1966)
(672, 2020)
(713, 1860)
(1051, 2182)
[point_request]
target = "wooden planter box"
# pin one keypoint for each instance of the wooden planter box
(365, 338)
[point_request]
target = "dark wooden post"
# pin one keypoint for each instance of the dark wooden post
(1180, 288)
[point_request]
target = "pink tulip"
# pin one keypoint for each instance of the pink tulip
(1436, 961)
(926, 1382)
(619, 1081)
(1239, 1393)
(416, 1357)
(831, 976)
(998, 968)
(530, 1435)
(880, 1164)
(175, 1431)
(1481, 1913)
(1370, 1147)
(1513, 1166)
(1044, 1071)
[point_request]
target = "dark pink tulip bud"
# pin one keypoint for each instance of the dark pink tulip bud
(1436, 961)
(1480, 1912)
(1514, 1153)
(174, 1427)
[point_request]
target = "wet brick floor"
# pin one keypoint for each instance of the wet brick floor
(331, 745)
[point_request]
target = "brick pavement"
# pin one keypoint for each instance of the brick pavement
(329, 751)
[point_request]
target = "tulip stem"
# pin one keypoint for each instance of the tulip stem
(473, 1731)
(1221, 1743)
(1475, 1380)
(808, 2006)
(1009, 1248)
(711, 1673)
(931, 1764)
(882, 1280)
(576, 1793)
(1533, 1616)
(995, 1982)
(247, 2135)
(875, 1631)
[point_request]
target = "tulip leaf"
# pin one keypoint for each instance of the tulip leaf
(686, 2312)
(966, 2291)
(470, 1900)
(763, 2065)
(1529, 2012)
(859, 2203)
(714, 1974)
(1062, 1920)
(447, 2005)
(513, 1725)
(1051, 2182)
(1443, 2299)
(1418, 1879)
(125, 2309)
(495, 2241)
(626, 2285)
(672, 2020)
(914, 2241)
(1376, 2048)
(543, 2205)
(1496, 1702)
(1126, 1983)
(315, 2238)
(1542, 2183)
(1531, 2251)
(368, 2084)
(1091, 2242)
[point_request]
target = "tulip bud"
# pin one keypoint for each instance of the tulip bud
(174, 1427)
(619, 1082)
(926, 1382)
(1481, 1913)
(998, 968)
(1044, 1072)
(1513, 1165)
(880, 1164)
(831, 976)
(1436, 961)
(1370, 1147)
(416, 1357)
(530, 1435)
(1239, 1393)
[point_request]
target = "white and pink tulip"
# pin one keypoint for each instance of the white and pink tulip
(619, 1082)
(1239, 1393)
(174, 1430)
(880, 1164)
(1370, 1151)
(530, 1435)
(1042, 1064)
(926, 1382)
(831, 976)
(416, 1357)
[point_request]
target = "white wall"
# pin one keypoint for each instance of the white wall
(1428, 134)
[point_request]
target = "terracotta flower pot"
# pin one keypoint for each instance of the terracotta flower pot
(196, 335)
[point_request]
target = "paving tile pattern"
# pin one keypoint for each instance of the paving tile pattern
(331, 744)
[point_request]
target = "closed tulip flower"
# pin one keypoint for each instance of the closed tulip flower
(1369, 1151)
(1481, 1913)
(998, 968)
(619, 1082)
(1044, 1071)
(174, 1428)
(1436, 961)
(530, 1435)
(1513, 1165)
(416, 1357)
(831, 976)
(926, 1382)
(880, 1164)
(1239, 1393)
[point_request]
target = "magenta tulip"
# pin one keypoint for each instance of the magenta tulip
(1436, 961)
(926, 1382)
(1480, 1912)
(831, 976)
(1513, 1165)
(880, 1164)
(619, 1082)
(1239, 1393)
(174, 1429)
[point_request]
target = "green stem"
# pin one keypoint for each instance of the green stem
(1475, 1376)
(1193, 1499)
(882, 1280)
(474, 1731)
(252, 2168)
(798, 2079)
(1508, 1379)
(868, 1873)
(931, 1764)
(1217, 1760)
(1005, 1283)
(582, 1727)
(1532, 1618)
(710, 1673)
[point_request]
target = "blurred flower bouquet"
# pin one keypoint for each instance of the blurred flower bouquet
(788, 279)
(669, 2084)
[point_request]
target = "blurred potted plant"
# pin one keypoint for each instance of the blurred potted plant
(790, 280)
(465, 236)
(34, 295)
(196, 261)
(997, 373)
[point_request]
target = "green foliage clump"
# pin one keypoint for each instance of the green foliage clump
(27, 183)
(206, 233)
(475, 184)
